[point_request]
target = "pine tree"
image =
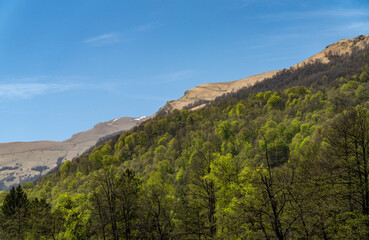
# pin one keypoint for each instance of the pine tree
(16, 212)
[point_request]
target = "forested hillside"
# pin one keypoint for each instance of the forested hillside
(284, 159)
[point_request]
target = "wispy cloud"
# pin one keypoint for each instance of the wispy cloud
(174, 76)
(27, 90)
(286, 36)
(339, 13)
(146, 27)
(245, 3)
(268, 59)
(348, 29)
(273, 40)
(362, 26)
(116, 37)
(13, 88)
(104, 39)
(335, 13)
(147, 97)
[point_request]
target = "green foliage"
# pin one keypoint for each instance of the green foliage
(224, 130)
(65, 168)
(286, 164)
(351, 85)
(22, 218)
(364, 76)
(361, 94)
(275, 101)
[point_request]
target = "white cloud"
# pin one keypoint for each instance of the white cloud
(104, 39)
(27, 90)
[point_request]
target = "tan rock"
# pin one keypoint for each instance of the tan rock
(210, 91)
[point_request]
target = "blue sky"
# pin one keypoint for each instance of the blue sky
(67, 65)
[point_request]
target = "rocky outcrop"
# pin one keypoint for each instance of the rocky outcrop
(340, 48)
(201, 94)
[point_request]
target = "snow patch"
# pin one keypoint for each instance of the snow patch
(140, 118)
(110, 123)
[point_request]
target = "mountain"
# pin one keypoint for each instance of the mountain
(21, 162)
(198, 96)
(285, 158)
(28, 161)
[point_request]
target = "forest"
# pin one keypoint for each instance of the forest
(285, 159)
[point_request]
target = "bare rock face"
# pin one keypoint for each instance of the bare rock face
(197, 96)
(28, 161)
(340, 48)
(209, 91)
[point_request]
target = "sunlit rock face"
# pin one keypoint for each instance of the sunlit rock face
(199, 95)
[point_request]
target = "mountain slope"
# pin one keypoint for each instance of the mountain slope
(281, 163)
(20, 162)
(197, 96)
(28, 161)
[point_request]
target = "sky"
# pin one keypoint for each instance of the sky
(68, 65)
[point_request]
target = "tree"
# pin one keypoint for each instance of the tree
(114, 199)
(76, 215)
(156, 212)
(364, 76)
(16, 209)
(203, 189)
(128, 195)
(105, 199)
(348, 139)
(40, 220)
(277, 208)
(275, 101)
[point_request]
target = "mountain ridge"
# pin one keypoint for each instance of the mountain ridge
(48, 155)
(295, 144)
(27, 161)
(195, 98)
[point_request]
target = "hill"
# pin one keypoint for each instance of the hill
(27, 161)
(285, 158)
(22, 162)
(197, 97)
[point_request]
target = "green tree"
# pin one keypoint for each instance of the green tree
(40, 220)
(203, 189)
(348, 139)
(156, 212)
(114, 199)
(76, 216)
(275, 101)
(16, 210)
(364, 76)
